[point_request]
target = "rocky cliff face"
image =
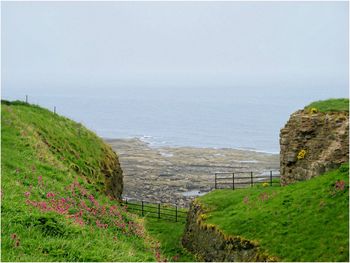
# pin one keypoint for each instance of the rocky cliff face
(210, 244)
(313, 143)
(113, 173)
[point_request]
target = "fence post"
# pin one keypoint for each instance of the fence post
(175, 213)
(251, 179)
(142, 208)
(215, 180)
(26, 98)
(54, 109)
(270, 178)
(158, 210)
(233, 181)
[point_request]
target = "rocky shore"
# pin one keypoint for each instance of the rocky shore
(176, 175)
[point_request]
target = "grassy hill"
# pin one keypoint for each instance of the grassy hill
(53, 201)
(56, 203)
(305, 221)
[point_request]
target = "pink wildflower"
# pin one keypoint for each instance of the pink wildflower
(83, 191)
(91, 198)
(103, 210)
(100, 225)
(158, 256)
(43, 205)
(79, 221)
(50, 194)
(27, 194)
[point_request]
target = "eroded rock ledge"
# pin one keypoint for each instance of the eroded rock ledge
(313, 143)
(209, 243)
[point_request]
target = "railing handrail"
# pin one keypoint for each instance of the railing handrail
(157, 209)
(249, 179)
(247, 172)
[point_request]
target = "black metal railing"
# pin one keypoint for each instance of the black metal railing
(160, 211)
(243, 179)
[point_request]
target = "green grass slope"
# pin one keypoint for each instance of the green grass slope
(305, 221)
(330, 105)
(53, 205)
(169, 235)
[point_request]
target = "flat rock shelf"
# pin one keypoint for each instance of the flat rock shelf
(176, 175)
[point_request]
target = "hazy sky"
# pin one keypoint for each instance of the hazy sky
(112, 45)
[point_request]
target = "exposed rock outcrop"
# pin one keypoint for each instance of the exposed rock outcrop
(313, 143)
(113, 173)
(209, 243)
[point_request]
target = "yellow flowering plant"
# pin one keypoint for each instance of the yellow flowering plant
(301, 154)
(313, 110)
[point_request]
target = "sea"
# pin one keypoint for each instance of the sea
(230, 117)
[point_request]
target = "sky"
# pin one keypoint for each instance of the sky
(93, 46)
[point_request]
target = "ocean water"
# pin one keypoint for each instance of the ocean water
(217, 118)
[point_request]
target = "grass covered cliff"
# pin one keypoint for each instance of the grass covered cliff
(330, 105)
(60, 141)
(59, 186)
(305, 221)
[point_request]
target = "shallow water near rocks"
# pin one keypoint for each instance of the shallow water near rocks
(194, 193)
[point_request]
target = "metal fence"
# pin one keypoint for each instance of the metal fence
(244, 179)
(160, 211)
